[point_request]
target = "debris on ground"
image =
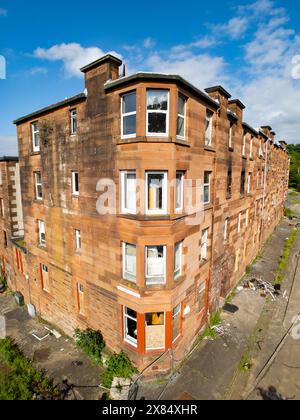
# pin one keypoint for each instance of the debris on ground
(258, 284)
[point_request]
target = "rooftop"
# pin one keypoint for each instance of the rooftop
(9, 159)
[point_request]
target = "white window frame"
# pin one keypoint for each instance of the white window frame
(35, 132)
(164, 210)
(244, 144)
(43, 266)
(74, 118)
(230, 136)
(75, 193)
(204, 244)
(78, 239)
(37, 185)
(247, 217)
(81, 292)
(178, 273)
(130, 340)
(209, 118)
(2, 207)
(183, 116)
(128, 276)
(249, 183)
(179, 209)
(159, 282)
(239, 222)
(209, 188)
(42, 231)
(124, 209)
(127, 114)
(157, 111)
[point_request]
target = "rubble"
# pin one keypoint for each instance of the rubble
(258, 284)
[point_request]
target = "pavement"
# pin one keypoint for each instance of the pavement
(59, 356)
(212, 371)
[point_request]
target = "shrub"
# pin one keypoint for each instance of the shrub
(118, 366)
(91, 343)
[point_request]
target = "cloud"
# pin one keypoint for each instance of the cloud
(3, 12)
(38, 71)
(73, 55)
(8, 146)
(235, 28)
(149, 43)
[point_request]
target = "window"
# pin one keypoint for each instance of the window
(128, 122)
(251, 148)
(239, 222)
(261, 153)
(178, 260)
(262, 178)
(243, 180)
(73, 114)
(156, 196)
(81, 306)
(77, 239)
(204, 239)
(181, 117)
(35, 134)
(45, 278)
(5, 239)
(2, 211)
(128, 193)
(75, 183)
(155, 331)
(1, 180)
(244, 145)
(225, 230)
(155, 265)
(257, 178)
(130, 326)
(129, 262)
(230, 136)
(179, 192)
(208, 128)
(207, 176)
(229, 182)
(157, 112)
(249, 183)
(247, 217)
(201, 297)
(42, 233)
(38, 186)
(176, 322)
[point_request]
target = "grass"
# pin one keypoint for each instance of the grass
(19, 380)
(210, 331)
(245, 364)
(288, 212)
(294, 194)
(283, 263)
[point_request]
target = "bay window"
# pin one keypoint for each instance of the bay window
(157, 112)
(181, 119)
(128, 121)
(128, 193)
(35, 134)
(208, 128)
(129, 262)
(156, 194)
(178, 260)
(130, 326)
(155, 265)
(179, 191)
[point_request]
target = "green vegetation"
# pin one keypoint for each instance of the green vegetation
(294, 152)
(91, 343)
(210, 331)
(283, 264)
(118, 366)
(19, 380)
(245, 364)
(288, 212)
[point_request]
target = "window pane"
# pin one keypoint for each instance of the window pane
(131, 313)
(181, 105)
(129, 125)
(155, 331)
(206, 194)
(157, 100)
(157, 123)
(130, 262)
(130, 191)
(177, 264)
(206, 177)
(180, 126)
(129, 103)
(178, 191)
(155, 319)
(155, 191)
(155, 264)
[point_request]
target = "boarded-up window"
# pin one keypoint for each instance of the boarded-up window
(155, 331)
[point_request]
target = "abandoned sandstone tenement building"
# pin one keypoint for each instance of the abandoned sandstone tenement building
(147, 273)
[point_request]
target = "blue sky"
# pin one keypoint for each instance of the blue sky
(248, 46)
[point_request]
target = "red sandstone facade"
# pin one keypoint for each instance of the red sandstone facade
(197, 193)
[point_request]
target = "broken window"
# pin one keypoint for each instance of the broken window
(181, 117)
(156, 183)
(155, 331)
(157, 112)
(155, 265)
(130, 326)
(129, 262)
(129, 115)
(128, 193)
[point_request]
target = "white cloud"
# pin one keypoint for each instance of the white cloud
(3, 12)
(8, 146)
(149, 43)
(73, 55)
(235, 28)
(38, 71)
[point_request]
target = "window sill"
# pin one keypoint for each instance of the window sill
(39, 201)
(209, 148)
(153, 139)
(208, 206)
(35, 153)
(244, 157)
(75, 196)
(42, 247)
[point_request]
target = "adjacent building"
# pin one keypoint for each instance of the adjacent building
(144, 201)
